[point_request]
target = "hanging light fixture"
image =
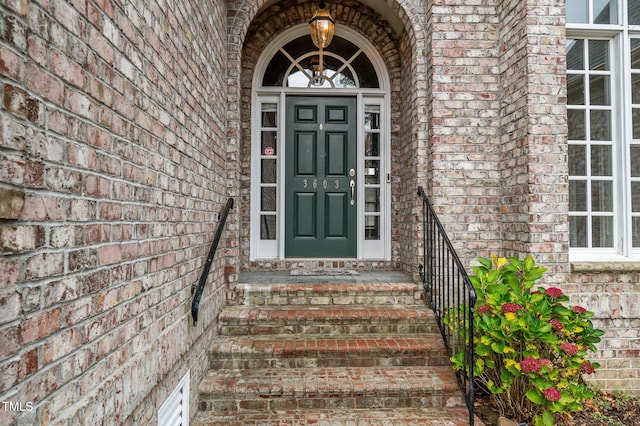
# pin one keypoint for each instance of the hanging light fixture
(321, 28)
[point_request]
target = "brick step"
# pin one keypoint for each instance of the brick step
(329, 388)
(367, 350)
(340, 417)
(322, 320)
(330, 294)
(297, 351)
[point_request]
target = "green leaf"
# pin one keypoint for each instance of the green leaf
(458, 360)
(537, 298)
(493, 276)
(499, 289)
(477, 371)
(486, 320)
(545, 327)
(475, 281)
(483, 350)
(542, 384)
(547, 417)
(515, 262)
(535, 273)
(566, 398)
(535, 396)
(506, 376)
(493, 388)
(561, 311)
(574, 406)
(479, 277)
(498, 347)
(529, 263)
(487, 263)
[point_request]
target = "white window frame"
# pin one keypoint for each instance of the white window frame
(619, 36)
(265, 248)
(635, 34)
(371, 249)
(367, 249)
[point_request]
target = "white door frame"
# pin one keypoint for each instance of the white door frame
(274, 249)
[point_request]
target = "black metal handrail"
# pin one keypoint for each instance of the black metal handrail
(196, 291)
(451, 295)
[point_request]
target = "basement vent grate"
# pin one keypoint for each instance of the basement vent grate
(175, 409)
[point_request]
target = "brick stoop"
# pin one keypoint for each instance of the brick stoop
(330, 353)
(387, 417)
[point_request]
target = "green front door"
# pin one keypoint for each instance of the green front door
(320, 185)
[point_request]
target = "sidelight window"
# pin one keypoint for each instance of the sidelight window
(268, 171)
(372, 172)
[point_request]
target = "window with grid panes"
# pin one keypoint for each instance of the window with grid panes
(603, 109)
(268, 170)
(372, 172)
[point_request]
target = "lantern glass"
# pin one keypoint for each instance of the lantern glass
(321, 28)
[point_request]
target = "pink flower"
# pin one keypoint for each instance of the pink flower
(587, 368)
(547, 363)
(579, 310)
(569, 348)
(530, 365)
(551, 394)
(557, 325)
(484, 309)
(553, 292)
(511, 307)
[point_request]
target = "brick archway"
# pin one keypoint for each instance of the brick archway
(251, 28)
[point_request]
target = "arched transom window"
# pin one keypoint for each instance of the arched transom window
(297, 64)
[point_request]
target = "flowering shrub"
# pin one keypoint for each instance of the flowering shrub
(530, 348)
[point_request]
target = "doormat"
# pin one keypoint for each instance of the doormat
(320, 272)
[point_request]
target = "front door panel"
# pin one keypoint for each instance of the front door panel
(320, 217)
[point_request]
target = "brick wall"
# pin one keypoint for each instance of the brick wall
(409, 144)
(409, 134)
(496, 161)
(113, 173)
(534, 133)
(612, 291)
(464, 124)
(123, 131)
